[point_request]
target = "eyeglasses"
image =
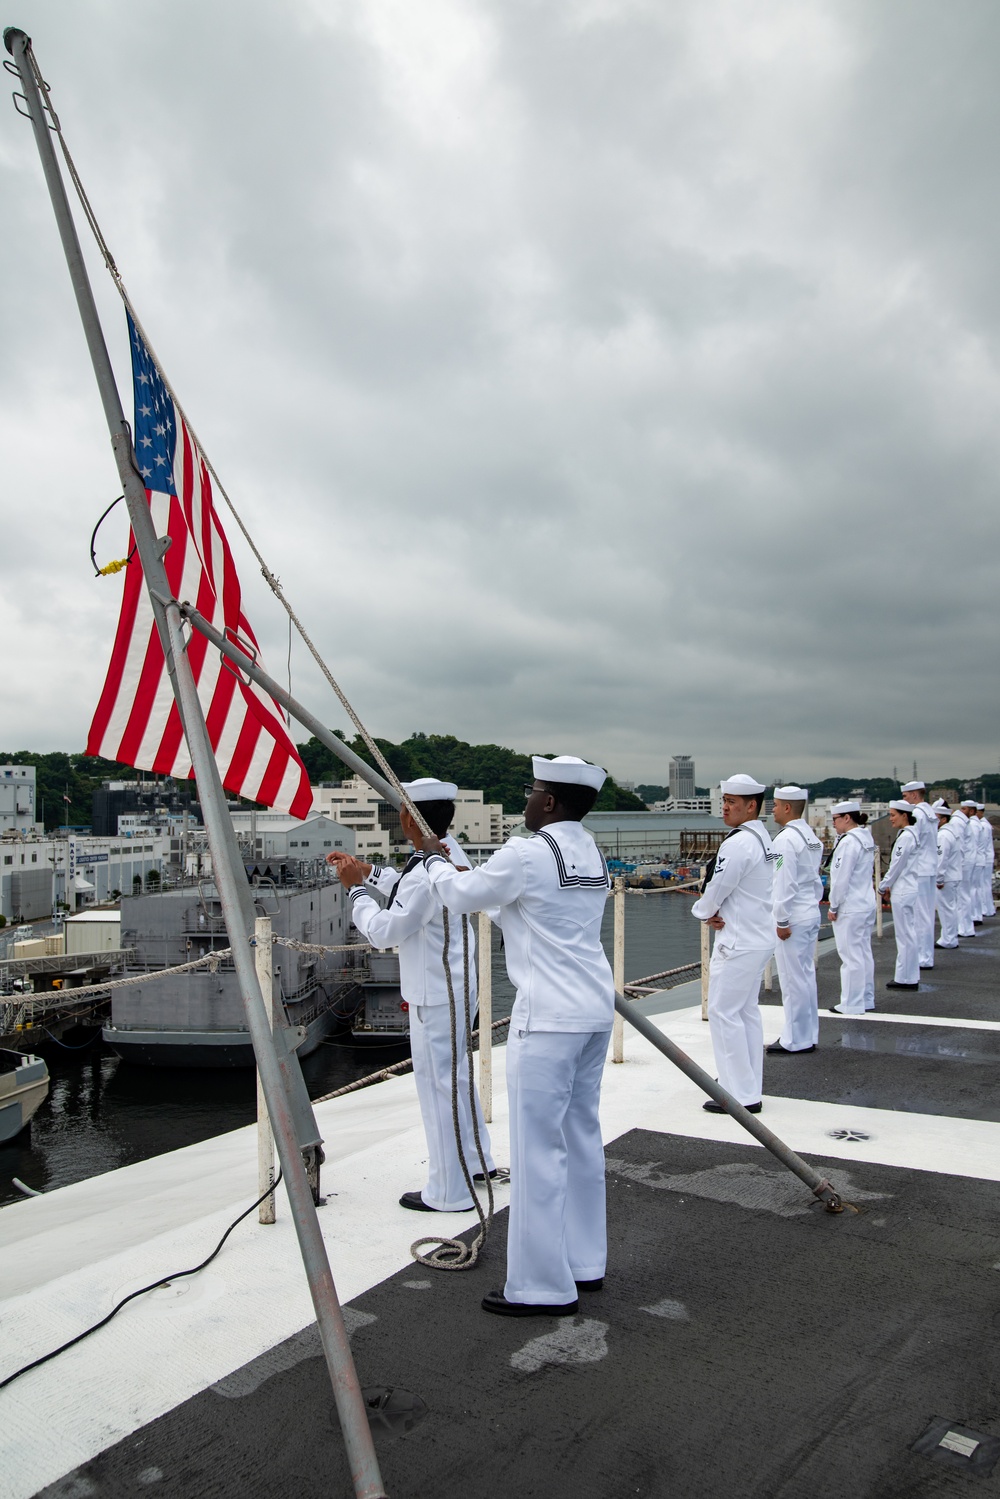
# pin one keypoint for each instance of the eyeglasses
(530, 788)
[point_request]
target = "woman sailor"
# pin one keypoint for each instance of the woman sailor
(903, 885)
(413, 922)
(949, 876)
(852, 908)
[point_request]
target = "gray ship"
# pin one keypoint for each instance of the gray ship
(197, 1019)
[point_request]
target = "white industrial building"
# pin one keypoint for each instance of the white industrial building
(375, 822)
(17, 801)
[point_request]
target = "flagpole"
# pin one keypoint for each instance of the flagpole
(227, 865)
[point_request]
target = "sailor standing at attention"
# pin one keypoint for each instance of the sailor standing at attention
(901, 881)
(547, 894)
(737, 903)
(962, 821)
(797, 892)
(949, 877)
(412, 921)
(852, 908)
(983, 829)
(925, 869)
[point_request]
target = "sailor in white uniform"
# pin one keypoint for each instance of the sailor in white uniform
(548, 894)
(852, 908)
(983, 830)
(901, 881)
(962, 822)
(737, 903)
(926, 829)
(949, 876)
(412, 921)
(797, 893)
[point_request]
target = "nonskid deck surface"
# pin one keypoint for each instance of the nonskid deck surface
(746, 1342)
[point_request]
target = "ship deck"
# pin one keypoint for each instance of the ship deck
(746, 1342)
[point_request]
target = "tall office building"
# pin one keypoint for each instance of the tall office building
(681, 778)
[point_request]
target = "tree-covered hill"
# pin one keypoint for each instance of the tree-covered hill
(498, 772)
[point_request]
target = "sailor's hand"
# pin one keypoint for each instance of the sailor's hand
(432, 845)
(339, 858)
(833, 915)
(715, 922)
(350, 871)
(784, 932)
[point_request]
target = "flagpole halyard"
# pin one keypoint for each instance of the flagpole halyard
(277, 1074)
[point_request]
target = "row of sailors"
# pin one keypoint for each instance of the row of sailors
(762, 898)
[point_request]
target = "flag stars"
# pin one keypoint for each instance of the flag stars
(145, 411)
(145, 442)
(160, 430)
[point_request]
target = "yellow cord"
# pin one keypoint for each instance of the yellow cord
(112, 567)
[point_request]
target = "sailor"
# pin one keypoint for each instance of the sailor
(901, 881)
(548, 894)
(949, 876)
(798, 890)
(737, 903)
(852, 907)
(926, 829)
(413, 921)
(983, 829)
(961, 821)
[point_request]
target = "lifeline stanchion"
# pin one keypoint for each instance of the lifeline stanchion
(265, 1140)
(618, 967)
(706, 958)
(817, 1184)
(485, 955)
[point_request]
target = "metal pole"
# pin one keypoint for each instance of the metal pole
(818, 1184)
(878, 893)
(230, 878)
(706, 958)
(265, 1140)
(486, 1016)
(618, 1030)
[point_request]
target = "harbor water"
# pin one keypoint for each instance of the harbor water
(102, 1113)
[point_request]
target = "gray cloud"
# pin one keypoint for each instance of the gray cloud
(617, 378)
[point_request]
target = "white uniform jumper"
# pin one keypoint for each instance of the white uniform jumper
(963, 824)
(412, 921)
(949, 883)
(797, 892)
(926, 830)
(989, 905)
(852, 897)
(547, 894)
(984, 867)
(741, 892)
(901, 880)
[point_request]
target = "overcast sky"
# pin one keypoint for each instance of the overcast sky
(599, 377)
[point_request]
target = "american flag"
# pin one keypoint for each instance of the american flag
(137, 722)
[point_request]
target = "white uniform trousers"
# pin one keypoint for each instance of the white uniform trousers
(966, 927)
(795, 960)
(947, 909)
(557, 1225)
(852, 933)
(904, 920)
(734, 1020)
(989, 909)
(430, 1047)
(926, 892)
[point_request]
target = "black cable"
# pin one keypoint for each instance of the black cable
(93, 558)
(163, 1281)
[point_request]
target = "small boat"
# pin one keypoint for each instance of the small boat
(24, 1084)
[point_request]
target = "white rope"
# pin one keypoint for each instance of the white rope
(272, 581)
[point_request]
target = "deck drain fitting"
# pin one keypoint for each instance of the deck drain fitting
(392, 1411)
(957, 1447)
(847, 1134)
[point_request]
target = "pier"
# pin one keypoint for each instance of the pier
(746, 1341)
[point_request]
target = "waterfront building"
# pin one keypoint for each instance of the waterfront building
(41, 875)
(655, 837)
(681, 778)
(376, 825)
(684, 804)
(17, 801)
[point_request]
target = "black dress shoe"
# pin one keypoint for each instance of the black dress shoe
(892, 984)
(926, 967)
(946, 946)
(416, 1202)
(711, 1107)
(591, 1285)
(776, 1049)
(496, 1302)
(478, 1176)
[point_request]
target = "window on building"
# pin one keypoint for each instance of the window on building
(326, 843)
(8, 858)
(34, 858)
(293, 843)
(305, 843)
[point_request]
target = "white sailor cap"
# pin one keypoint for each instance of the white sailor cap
(429, 789)
(901, 806)
(791, 794)
(941, 809)
(914, 786)
(980, 806)
(568, 770)
(840, 807)
(969, 804)
(742, 785)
